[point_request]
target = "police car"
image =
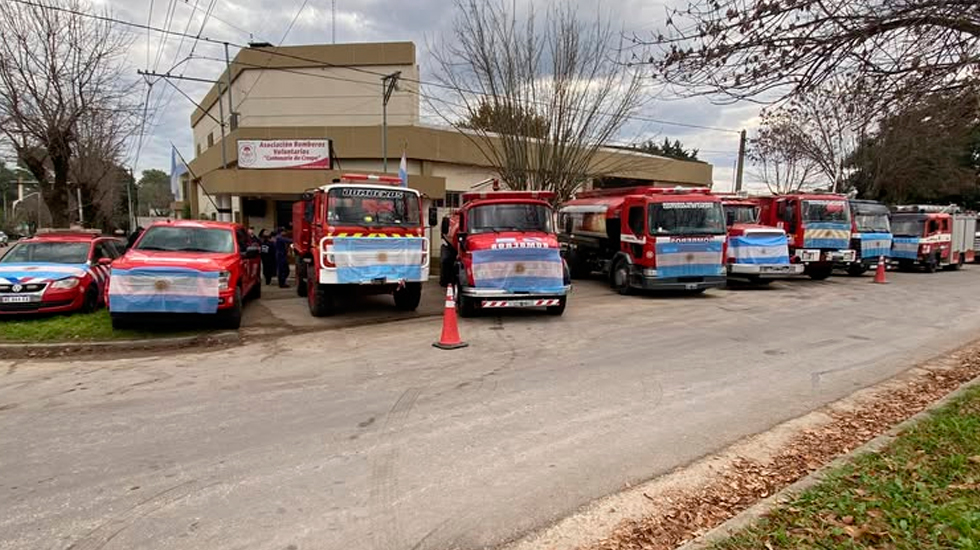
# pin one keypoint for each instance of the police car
(57, 272)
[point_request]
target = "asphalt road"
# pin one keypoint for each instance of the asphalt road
(370, 438)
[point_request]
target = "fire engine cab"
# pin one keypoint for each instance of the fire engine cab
(646, 237)
(756, 253)
(360, 234)
(932, 237)
(818, 229)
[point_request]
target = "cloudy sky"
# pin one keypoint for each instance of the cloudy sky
(292, 22)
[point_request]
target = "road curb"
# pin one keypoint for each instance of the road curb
(752, 514)
(58, 348)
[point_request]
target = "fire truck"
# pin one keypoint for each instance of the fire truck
(646, 238)
(932, 237)
(871, 235)
(818, 229)
(502, 252)
(361, 234)
(755, 253)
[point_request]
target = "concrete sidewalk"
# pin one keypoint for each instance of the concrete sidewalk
(283, 308)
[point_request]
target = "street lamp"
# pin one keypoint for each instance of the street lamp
(13, 206)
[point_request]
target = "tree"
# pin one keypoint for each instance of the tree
(929, 152)
(154, 193)
(772, 49)
(56, 68)
(553, 92)
(780, 158)
(667, 149)
(95, 168)
(507, 120)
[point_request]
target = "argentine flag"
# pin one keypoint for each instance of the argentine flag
(177, 169)
(403, 170)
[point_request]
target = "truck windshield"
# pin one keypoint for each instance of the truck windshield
(741, 213)
(509, 217)
(825, 211)
(373, 207)
(871, 223)
(687, 218)
(51, 252)
(187, 239)
(909, 227)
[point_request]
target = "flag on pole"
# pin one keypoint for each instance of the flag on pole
(177, 169)
(403, 170)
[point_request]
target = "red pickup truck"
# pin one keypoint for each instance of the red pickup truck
(185, 267)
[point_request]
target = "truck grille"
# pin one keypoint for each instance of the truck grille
(33, 287)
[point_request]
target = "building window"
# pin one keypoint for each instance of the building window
(211, 139)
(454, 199)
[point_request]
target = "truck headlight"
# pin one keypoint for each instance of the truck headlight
(66, 284)
(224, 278)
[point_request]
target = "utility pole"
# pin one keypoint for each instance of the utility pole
(221, 115)
(388, 83)
(231, 107)
(129, 201)
(741, 161)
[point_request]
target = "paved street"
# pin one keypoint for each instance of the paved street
(370, 438)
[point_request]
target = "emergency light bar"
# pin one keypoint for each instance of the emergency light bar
(479, 195)
(643, 190)
(70, 231)
(392, 180)
(928, 208)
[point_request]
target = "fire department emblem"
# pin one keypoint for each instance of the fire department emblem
(161, 285)
(17, 288)
(519, 268)
(382, 256)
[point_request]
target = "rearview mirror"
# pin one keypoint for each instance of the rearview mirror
(252, 251)
(433, 216)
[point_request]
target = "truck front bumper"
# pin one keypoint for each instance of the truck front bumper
(816, 255)
(499, 298)
(764, 271)
(647, 282)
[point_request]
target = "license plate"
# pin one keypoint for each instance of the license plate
(16, 299)
(690, 286)
(520, 303)
(379, 280)
(775, 269)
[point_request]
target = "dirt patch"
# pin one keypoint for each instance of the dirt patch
(685, 514)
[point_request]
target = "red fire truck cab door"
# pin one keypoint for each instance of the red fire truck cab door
(634, 227)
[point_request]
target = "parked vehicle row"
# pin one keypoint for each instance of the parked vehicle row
(365, 235)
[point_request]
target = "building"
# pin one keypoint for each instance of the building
(321, 106)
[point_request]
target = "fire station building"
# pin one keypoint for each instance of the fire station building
(300, 116)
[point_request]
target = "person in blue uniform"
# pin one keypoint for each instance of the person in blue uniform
(283, 241)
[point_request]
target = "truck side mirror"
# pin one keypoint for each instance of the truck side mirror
(445, 226)
(433, 216)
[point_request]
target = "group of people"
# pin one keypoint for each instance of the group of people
(274, 249)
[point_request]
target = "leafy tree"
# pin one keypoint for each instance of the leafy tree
(507, 119)
(154, 193)
(667, 149)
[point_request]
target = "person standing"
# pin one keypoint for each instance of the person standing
(283, 242)
(267, 250)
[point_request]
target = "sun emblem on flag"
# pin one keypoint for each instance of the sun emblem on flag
(519, 268)
(161, 285)
(689, 257)
(382, 257)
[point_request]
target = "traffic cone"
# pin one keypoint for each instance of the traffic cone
(880, 272)
(450, 331)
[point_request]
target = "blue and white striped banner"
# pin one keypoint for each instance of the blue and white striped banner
(536, 270)
(21, 273)
(763, 248)
(163, 290)
(876, 245)
(362, 260)
(906, 248)
(830, 235)
(689, 258)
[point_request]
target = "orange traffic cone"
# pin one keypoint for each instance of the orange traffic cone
(450, 331)
(880, 272)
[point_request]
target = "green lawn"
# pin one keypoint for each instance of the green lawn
(76, 327)
(920, 493)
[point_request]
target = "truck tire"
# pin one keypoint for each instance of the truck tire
(231, 318)
(301, 276)
(559, 309)
(120, 321)
(931, 264)
(819, 272)
(577, 268)
(466, 306)
(856, 269)
(322, 301)
(619, 278)
(408, 297)
(91, 301)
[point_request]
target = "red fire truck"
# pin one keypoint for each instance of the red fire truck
(361, 234)
(932, 236)
(646, 237)
(818, 229)
(756, 253)
(502, 252)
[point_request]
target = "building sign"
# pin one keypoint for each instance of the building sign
(291, 154)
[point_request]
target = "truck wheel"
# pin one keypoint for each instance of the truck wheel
(819, 272)
(559, 309)
(931, 264)
(91, 301)
(466, 306)
(321, 300)
(231, 318)
(301, 283)
(576, 267)
(408, 297)
(619, 278)
(120, 321)
(856, 269)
